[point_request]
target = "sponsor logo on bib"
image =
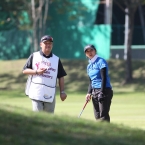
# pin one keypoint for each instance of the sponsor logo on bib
(47, 97)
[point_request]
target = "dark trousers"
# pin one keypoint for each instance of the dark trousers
(101, 110)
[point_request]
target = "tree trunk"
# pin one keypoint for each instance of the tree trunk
(142, 19)
(128, 63)
(35, 42)
(45, 16)
(39, 17)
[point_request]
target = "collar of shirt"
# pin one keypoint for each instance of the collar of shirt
(50, 55)
(93, 59)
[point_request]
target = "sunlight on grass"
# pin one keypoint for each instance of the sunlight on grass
(126, 109)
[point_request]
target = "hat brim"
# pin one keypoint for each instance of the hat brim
(47, 40)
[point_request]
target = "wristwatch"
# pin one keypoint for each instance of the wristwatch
(62, 92)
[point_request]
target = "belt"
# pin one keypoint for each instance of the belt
(107, 88)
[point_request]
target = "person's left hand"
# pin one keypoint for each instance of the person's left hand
(63, 96)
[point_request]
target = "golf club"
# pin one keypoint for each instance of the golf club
(83, 109)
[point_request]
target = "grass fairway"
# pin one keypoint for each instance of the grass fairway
(19, 125)
(126, 109)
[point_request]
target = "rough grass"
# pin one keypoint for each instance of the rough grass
(21, 127)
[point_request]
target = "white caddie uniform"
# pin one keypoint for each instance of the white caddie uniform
(43, 87)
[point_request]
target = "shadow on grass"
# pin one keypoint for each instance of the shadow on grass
(77, 79)
(11, 80)
(21, 127)
(117, 73)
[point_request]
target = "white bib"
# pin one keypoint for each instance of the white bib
(43, 87)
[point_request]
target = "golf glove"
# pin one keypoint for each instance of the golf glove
(101, 97)
(88, 97)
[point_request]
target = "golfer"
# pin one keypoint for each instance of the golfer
(44, 68)
(99, 86)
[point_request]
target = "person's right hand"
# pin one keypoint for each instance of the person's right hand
(41, 70)
(88, 97)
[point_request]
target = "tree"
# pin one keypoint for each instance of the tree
(37, 14)
(39, 17)
(129, 7)
(12, 13)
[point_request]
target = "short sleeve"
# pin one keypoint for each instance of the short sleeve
(61, 71)
(29, 62)
(102, 63)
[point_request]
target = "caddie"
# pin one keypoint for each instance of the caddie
(44, 69)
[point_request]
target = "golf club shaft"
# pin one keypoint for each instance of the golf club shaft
(82, 109)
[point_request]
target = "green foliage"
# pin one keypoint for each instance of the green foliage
(12, 14)
(68, 18)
